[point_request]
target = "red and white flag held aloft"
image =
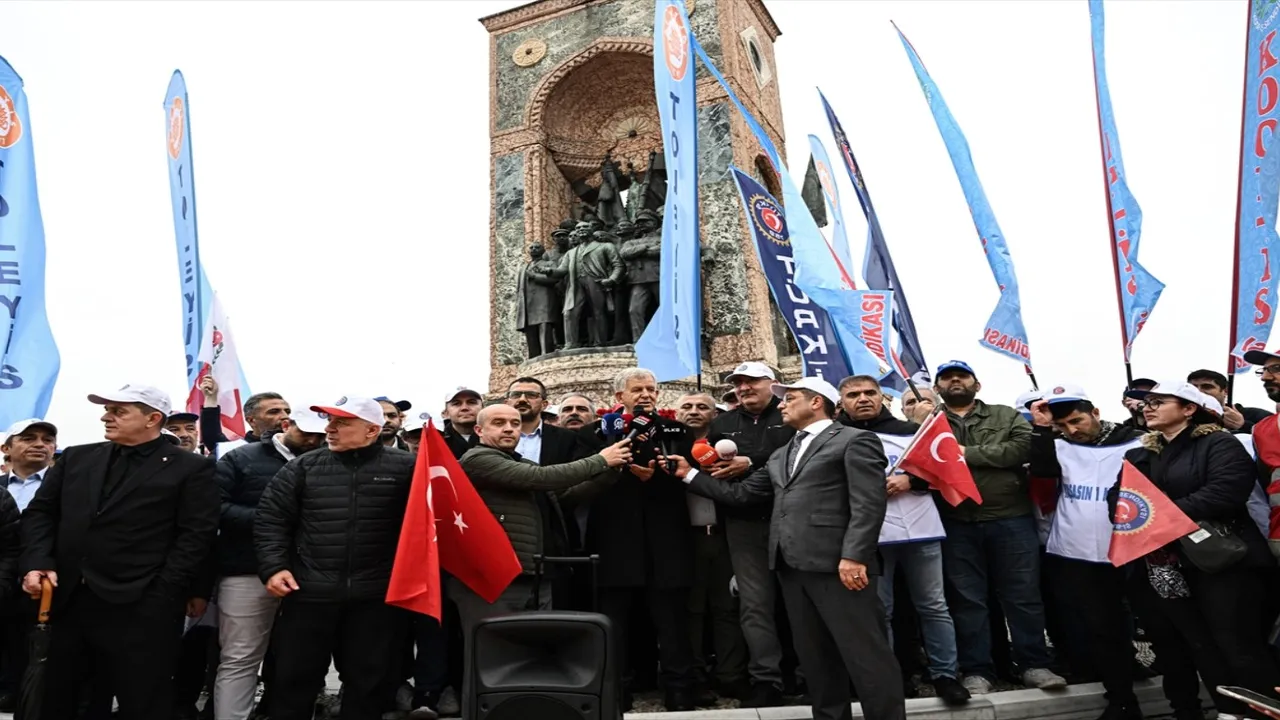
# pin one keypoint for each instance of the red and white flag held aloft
(934, 456)
(218, 358)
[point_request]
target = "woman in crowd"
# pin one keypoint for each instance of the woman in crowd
(1213, 620)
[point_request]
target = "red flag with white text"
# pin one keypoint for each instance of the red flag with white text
(1146, 519)
(218, 358)
(470, 542)
(935, 457)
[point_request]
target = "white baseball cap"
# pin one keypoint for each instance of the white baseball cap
(308, 421)
(1178, 389)
(1064, 393)
(461, 390)
(812, 384)
(23, 425)
(1024, 400)
(145, 394)
(366, 409)
(417, 423)
(752, 369)
(1211, 404)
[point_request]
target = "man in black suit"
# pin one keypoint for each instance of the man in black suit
(827, 490)
(640, 529)
(121, 529)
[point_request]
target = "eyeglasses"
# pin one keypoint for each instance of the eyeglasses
(517, 394)
(1154, 403)
(1273, 369)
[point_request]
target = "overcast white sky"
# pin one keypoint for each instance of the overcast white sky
(341, 155)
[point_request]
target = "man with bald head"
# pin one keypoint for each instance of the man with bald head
(527, 497)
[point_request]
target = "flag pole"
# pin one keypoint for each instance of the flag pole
(1111, 225)
(1032, 375)
(1235, 261)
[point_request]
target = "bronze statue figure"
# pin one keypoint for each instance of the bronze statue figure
(536, 306)
(642, 254)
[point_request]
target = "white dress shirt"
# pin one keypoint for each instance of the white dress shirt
(812, 429)
(530, 444)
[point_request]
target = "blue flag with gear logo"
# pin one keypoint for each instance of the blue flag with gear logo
(29, 358)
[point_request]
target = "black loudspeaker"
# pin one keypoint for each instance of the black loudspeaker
(545, 666)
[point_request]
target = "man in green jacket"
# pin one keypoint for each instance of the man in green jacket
(992, 545)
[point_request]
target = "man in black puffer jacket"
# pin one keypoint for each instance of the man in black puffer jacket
(325, 532)
(246, 610)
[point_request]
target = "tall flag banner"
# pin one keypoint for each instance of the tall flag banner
(29, 359)
(1146, 519)
(671, 345)
(878, 270)
(1004, 332)
(812, 327)
(218, 358)
(822, 167)
(182, 193)
(196, 294)
(1136, 289)
(818, 272)
(1253, 283)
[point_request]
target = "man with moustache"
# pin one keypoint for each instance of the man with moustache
(994, 544)
(710, 598)
(393, 411)
(757, 428)
(576, 412)
(325, 534)
(826, 493)
(262, 413)
(461, 408)
(246, 611)
(183, 427)
(121, 529)
(1237, 418)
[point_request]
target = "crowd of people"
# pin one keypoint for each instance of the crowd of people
(757, 545)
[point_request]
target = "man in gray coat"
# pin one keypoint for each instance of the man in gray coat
(827, 489)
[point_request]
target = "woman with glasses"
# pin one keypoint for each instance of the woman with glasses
(1209, 622)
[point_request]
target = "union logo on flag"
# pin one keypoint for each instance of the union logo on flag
(1134, 512)
(769, 219)
(177, 127)
(675, 43)
(10, 123)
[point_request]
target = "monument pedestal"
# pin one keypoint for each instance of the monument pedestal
(591, 371)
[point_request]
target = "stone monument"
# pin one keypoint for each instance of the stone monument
(575, 138)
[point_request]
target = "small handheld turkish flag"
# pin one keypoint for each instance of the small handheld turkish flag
(1146, 519)
(934, 455)
(461, 535)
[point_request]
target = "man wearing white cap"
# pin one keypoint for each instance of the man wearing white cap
(325, 532)
(121, 529)
(29, 446)
(827, 490)
(755, 426)
(246, 611)
(461, 409)
(1084, 457)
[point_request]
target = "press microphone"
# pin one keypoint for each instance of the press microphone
(726, 449)
(704, 454)
(611, 425)
(640, 424)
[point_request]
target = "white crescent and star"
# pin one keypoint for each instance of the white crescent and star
(933, 447)
(438, 471)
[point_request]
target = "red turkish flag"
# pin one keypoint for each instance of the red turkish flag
(1146, 519)
(934, 456)
(446, 512)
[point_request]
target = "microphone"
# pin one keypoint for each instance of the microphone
(640, 425)
(703, 453)
(726, 449)
(611, 425)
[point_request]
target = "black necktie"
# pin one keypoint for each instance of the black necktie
(793, 450)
